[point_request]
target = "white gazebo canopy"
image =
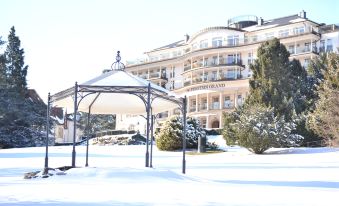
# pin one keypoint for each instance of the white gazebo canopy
(116, 92)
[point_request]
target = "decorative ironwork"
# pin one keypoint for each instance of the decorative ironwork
(117, 65)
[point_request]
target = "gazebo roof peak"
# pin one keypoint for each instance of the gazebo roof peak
(117, 65)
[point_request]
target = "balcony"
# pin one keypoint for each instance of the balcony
(214, 106)
(302, 50)
(209, 64)
(192, 109)
(157, 75)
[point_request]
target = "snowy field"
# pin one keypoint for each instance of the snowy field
(117, 176)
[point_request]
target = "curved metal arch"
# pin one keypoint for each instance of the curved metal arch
(83, 97)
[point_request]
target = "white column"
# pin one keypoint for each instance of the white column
(235, 99)
(295, 47)
(220, 101)
(191, 63)
(220, 121)
(203, 75)
(196, 103)
(208, 102)
(203, 61)
(188, 104)
(218, 58)
(207, 121)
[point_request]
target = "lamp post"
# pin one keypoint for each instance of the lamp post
(47, 134)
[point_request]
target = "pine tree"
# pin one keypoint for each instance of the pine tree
(16, 69)
(3, 69)
(170, 136)
(324, 120)
(276, 82)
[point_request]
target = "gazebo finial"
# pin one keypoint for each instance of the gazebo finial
(117, 65)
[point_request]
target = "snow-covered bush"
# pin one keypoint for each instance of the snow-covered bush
(170, 136)
(257, 129)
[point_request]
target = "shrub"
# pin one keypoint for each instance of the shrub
(257, 129)
(170, 136)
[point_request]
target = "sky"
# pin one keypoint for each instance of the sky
(74, 40)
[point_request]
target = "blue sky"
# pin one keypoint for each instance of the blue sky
(74, 40)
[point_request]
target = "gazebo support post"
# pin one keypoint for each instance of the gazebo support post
(148, 108)
(184, 109)
(152, 125)
(75, 121)
(47, 135)
(87, 141)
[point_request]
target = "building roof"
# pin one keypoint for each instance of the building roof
(172, 45)
(281, 21)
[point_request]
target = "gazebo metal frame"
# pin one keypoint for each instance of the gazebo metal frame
(146, 93)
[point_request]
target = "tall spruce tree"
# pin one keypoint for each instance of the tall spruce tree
(22, 119)
(324, 120)
(277, 82)
(3, 70)
(15, 65)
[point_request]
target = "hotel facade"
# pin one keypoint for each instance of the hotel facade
(211, 67)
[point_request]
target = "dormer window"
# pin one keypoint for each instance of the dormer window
(203, 44)
(217, 42)
(194, 46)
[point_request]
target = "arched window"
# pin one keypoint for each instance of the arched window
(215, 124)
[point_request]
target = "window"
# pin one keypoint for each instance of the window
(203, 123)
(306, 63)
(255, 38)
(233, 40)
(164, 56)
(215, 60)
(250, 58)
(239, 100)
(205, 76)
(194, 46)
(215, 102)
(203, 105)
(192, 106)
(291, 49)
(214, 76)
(283, 33)
(299, 30)
(203, 44)
(322, 46)
(231, 74)
(269, 35)
(329, 46)
(227, 102)
(217, 42)
(307, 47)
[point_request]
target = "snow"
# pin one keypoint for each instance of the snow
(117, 176)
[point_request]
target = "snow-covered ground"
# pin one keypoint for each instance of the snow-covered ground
(117, 176)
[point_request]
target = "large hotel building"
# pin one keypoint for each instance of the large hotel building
(211, 67)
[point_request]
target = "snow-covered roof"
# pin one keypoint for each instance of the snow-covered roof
(110, 93)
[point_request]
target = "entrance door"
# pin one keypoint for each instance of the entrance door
(215, 124)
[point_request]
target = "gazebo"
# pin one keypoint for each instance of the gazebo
(117, 92)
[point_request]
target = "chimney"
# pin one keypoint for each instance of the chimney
(187, 37)
(303, 14)
(260, 21)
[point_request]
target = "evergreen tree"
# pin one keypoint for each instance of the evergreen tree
(324, 120)
(257, 128)
(170, 136)
(15, 65)
(276, 82)
(22, 119)
(3, 69)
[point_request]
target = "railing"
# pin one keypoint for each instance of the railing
(242, 41)
(192, 109)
